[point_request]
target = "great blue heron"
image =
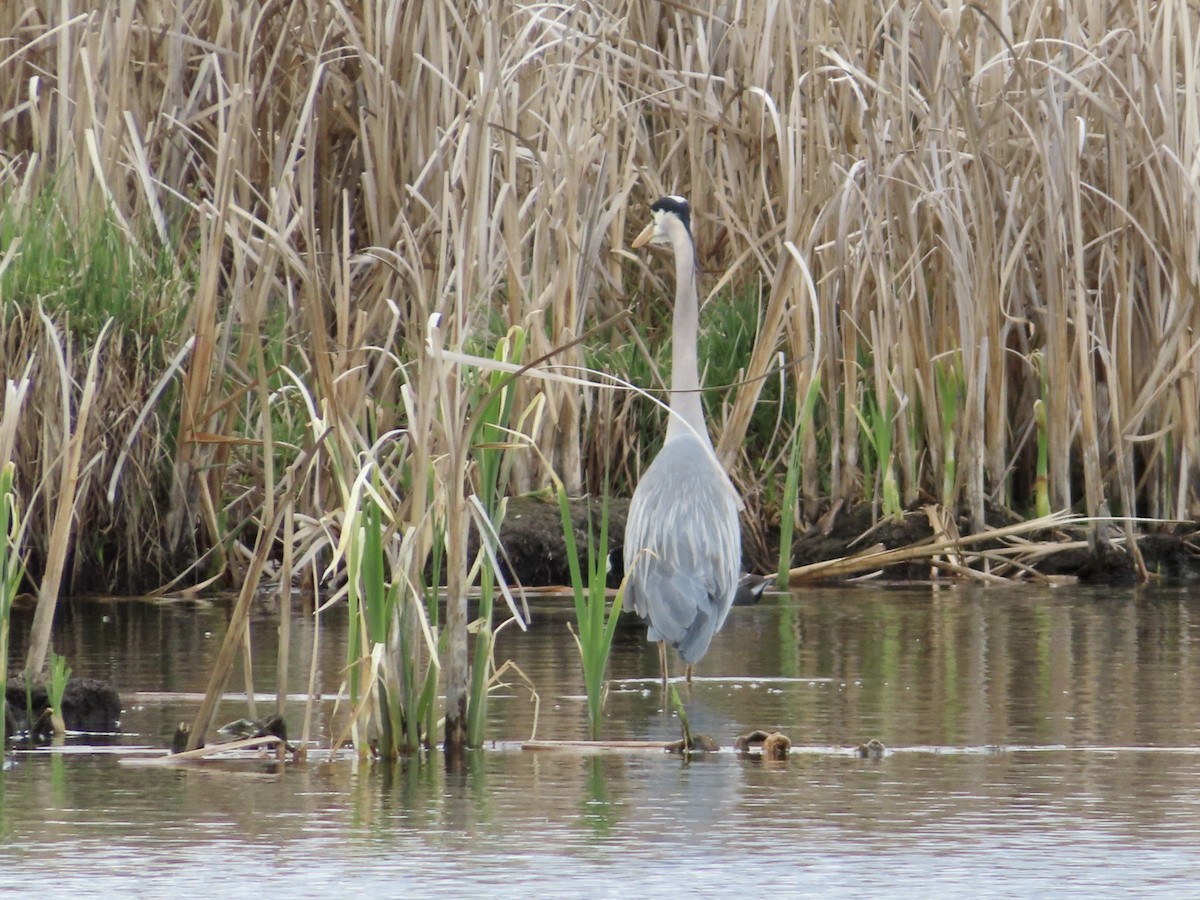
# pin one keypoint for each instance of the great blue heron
(683, 546)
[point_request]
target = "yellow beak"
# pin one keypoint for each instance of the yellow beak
(644, 238)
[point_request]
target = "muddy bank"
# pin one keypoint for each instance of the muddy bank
(535, 552)
(88, 705)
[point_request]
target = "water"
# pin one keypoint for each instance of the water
(1038, 741)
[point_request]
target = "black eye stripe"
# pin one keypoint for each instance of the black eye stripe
(677, 206)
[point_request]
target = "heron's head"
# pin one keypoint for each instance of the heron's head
(671, 219)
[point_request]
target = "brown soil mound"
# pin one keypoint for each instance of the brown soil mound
(88, 704)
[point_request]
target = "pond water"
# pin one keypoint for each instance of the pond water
(1039, 740)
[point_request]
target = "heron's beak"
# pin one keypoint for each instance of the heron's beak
(644, 238)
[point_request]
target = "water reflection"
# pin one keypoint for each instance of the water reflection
(1043, 740)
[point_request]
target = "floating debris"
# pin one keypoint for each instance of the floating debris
(771, 744)
(87, 705)
(872, 749)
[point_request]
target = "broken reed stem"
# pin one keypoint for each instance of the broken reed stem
(877, 559)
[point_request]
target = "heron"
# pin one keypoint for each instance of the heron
(683, 546)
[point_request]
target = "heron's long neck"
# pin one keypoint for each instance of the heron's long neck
(685, 369)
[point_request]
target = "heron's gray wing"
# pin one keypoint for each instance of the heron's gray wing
(683, 547)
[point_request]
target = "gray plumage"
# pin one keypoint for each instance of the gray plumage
(682, 535)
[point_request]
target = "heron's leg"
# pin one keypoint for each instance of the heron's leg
(689, 673)
(662, 661)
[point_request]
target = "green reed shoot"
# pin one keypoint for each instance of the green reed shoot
(379, 600)
(791, 488)
(683, 719)
(378, 607)
(371, 603)
(425, 718)
(1041, 489)
(950, 396)
(878, 428)
(389, 630)
(491, 446)
(484, 641)
(355, 626)
(60, 674)
(409, 696)
(11, 567)
(403, 697)
(595, 618)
